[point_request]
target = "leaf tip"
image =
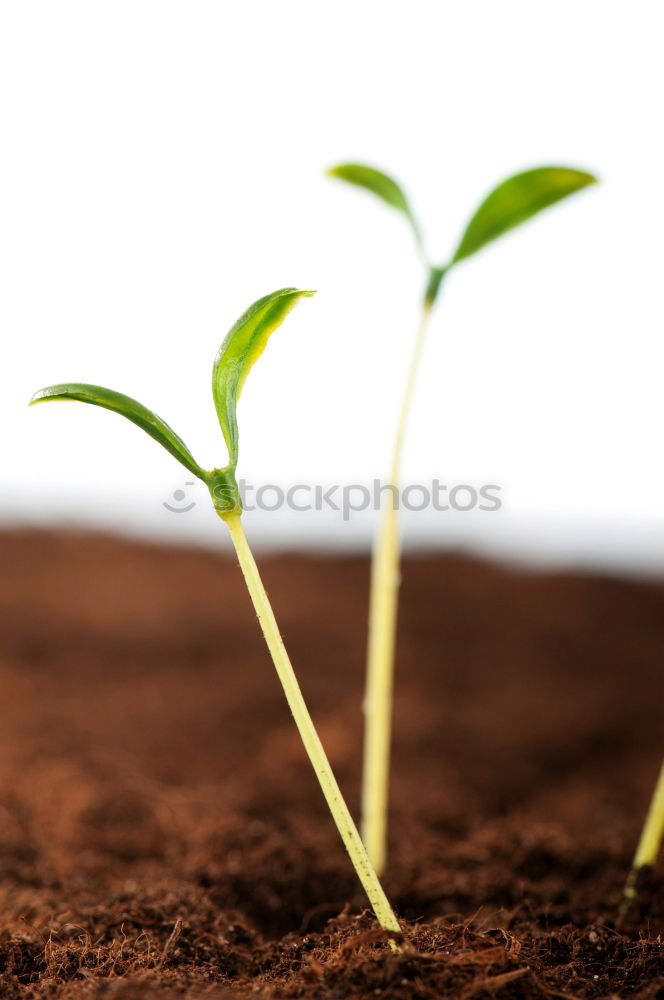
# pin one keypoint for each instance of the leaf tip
(291, 292)
(296, 293)
(586, 178)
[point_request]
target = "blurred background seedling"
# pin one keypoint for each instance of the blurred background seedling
(514, 201)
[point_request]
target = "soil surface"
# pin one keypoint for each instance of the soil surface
(162, 835)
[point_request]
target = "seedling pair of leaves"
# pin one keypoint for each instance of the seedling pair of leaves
(244, 344)
(514, 201)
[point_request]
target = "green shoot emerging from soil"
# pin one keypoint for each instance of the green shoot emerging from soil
(243, 345)
(511, 203)
(649, 842)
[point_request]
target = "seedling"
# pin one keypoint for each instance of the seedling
(511, 203)
(649, 843)
(245, 342)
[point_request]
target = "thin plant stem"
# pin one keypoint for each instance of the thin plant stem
(312, 744)
(650, 840)
(385, 579)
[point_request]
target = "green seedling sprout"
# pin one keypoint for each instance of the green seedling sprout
(514, 201)
(243, 345)
(649, 843)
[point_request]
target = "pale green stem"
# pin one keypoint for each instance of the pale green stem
(310, 738)
(385, 579)
(650, 840)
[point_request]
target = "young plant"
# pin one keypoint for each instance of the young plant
(243, 345)
(649, 843)
(511, 203)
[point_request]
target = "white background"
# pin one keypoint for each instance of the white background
(163, 166)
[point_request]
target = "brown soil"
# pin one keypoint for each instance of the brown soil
(161, 834)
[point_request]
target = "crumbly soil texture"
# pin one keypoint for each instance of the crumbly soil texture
(162, 834)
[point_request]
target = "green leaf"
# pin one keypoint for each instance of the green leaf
(516, 200)
(379, 184)
(127, 407)
(243, 345)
